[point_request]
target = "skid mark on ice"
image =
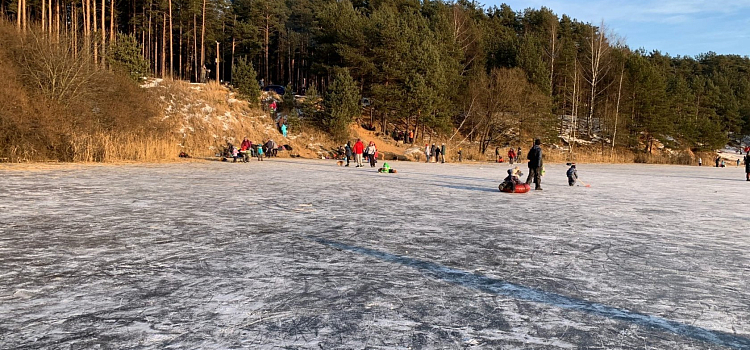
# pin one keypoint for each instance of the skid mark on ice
(500, 287)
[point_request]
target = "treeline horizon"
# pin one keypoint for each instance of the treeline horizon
(493, 75)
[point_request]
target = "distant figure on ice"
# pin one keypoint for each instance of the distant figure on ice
(518, 155)
(460, 155)
(438, 152)
(700, 161)
(717, 160)
(497, 154)
(359, 148)
(738, 162)
(348, 151)
(427, 152)
(513, 179)
(511, 156)
(535, 165)
(572, 175)
(442, 153)
(747, 166)
(283, 129)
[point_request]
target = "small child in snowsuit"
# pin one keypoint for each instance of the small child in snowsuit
(260, 152)
(572, 175)
(513, 178)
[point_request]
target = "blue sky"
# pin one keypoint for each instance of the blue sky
(676, 27)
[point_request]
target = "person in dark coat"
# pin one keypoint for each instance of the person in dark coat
(572, 175)
(747, 167)
(535, 165)
(513, 179)
(442, 153)
(437, 154)
(348, 151)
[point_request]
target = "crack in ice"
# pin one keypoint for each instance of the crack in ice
(500, 287)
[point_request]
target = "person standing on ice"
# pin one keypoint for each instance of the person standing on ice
(371, 152)
(442, 153)
(747, 166)
(437, 154)
(348, 151)
(700, 161)
(572, 175)
(359, 148)
(259, 152)
(511, 156)
(427, 152)
(518, 155)
(535, 165)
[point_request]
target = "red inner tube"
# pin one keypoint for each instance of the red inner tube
(520, 188)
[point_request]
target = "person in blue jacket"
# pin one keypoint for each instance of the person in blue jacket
(572, 175)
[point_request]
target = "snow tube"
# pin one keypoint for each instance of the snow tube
(520, 188)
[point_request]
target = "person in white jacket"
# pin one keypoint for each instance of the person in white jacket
(427, 152)
(371, 150)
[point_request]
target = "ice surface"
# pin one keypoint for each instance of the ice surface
(305, 254)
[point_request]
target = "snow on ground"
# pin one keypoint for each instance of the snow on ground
(308, 255)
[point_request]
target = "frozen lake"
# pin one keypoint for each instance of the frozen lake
(303, 254)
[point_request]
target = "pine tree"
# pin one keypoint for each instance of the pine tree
(244, 79)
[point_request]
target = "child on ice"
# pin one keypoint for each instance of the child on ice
(513, 178)
(572, 175)
(260, 152)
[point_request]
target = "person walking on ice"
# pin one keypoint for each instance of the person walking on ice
(535, 165)
(572, 175)
(747, 166)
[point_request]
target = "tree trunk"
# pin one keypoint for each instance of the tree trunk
(112, 36)
(87, 26)
(171, 42)
(266, 35)
(217, 63)
(195, 47)
(18, 15)
(203, 40)
(93, 14)
(57, 20)
(104, 34)
(44, 16)
(164, 46)
(179, 69)
(74, 17)
(617, 109)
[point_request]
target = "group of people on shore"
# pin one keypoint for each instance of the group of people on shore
(248, 150)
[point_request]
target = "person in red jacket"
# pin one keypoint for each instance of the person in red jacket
(511, 156)
(359, 148)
